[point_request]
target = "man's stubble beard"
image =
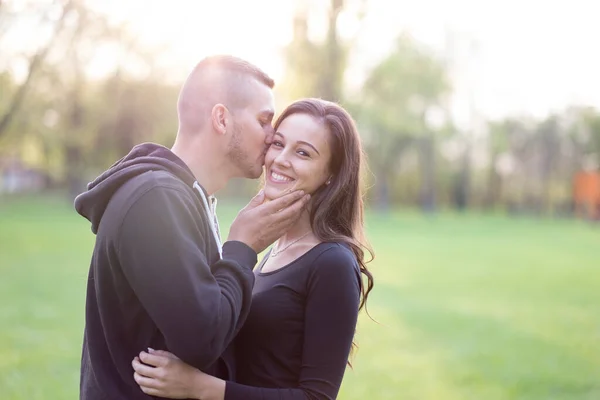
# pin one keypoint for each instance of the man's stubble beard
(238, 156)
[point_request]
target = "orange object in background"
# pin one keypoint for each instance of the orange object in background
(586, 194)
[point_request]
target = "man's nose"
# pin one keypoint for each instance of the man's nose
(269, 136)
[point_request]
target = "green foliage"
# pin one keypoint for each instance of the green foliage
(72, 126)
(591, 126)
(396, 97)
(315, 68)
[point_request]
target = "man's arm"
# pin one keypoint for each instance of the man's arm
(197, 307)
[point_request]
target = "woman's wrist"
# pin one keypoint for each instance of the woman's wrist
(207, 387)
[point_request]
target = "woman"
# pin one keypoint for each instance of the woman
(298, 335)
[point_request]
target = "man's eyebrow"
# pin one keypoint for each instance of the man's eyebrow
(300, 141)
(267, 113)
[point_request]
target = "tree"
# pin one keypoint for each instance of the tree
(35, 61)
(303, 60)
(549, 139)
(316, 68)
(400, 99)
(78, 122)
(498, 146)
(330, 85)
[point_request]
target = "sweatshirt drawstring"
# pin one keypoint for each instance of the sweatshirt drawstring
(211, 210)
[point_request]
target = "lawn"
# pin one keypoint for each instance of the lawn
(467, 307)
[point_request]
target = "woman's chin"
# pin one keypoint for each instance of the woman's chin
(273, 192)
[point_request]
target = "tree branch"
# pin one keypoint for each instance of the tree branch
(36, 62)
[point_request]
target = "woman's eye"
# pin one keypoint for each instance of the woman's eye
(277, 143)
(303, 153)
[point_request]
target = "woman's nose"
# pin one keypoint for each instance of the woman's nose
(282, 159)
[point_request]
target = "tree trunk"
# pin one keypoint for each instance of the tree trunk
(382, 190)
(75, 183)
(331, 79)
(35, 63)
(494, 185)
(427, 195)
(73, 153)
(462, 187)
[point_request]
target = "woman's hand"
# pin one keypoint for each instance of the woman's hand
(160, 373)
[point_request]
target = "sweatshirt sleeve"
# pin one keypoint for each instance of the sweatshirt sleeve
(330, 322)
(198, 307)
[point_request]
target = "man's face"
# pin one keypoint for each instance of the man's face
(252, 131)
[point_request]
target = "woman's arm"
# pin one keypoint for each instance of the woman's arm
(160, 373)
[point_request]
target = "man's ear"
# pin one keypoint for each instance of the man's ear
(220, 118)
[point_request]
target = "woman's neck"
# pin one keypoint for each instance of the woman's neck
(300, 228)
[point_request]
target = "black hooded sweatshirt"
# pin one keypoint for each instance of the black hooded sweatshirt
(157, 278)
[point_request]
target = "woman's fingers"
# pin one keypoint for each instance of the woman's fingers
(153, 359)
(163, 354)
(151, 392)
(144, 370)
(145, 382)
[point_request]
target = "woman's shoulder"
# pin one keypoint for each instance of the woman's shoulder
(336, 249)
(336, 256)
(335, 269)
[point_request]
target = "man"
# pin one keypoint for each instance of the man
(159, 276)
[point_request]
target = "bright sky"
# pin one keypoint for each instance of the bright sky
(531, 56)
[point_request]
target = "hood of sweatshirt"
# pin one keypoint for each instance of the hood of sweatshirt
(92, 203)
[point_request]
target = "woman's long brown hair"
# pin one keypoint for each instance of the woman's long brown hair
(337, 208)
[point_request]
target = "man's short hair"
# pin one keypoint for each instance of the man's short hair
(219, 78)
(235, 65)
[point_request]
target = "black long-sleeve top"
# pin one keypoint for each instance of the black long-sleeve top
(297, 338)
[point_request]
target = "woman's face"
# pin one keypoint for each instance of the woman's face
(298, 157)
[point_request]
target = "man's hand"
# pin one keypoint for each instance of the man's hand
(259, 224)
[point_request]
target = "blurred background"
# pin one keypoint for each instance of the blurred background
(481, 124)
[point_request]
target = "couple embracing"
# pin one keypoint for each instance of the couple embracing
(172, 311)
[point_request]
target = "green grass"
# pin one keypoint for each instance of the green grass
(467, 307)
